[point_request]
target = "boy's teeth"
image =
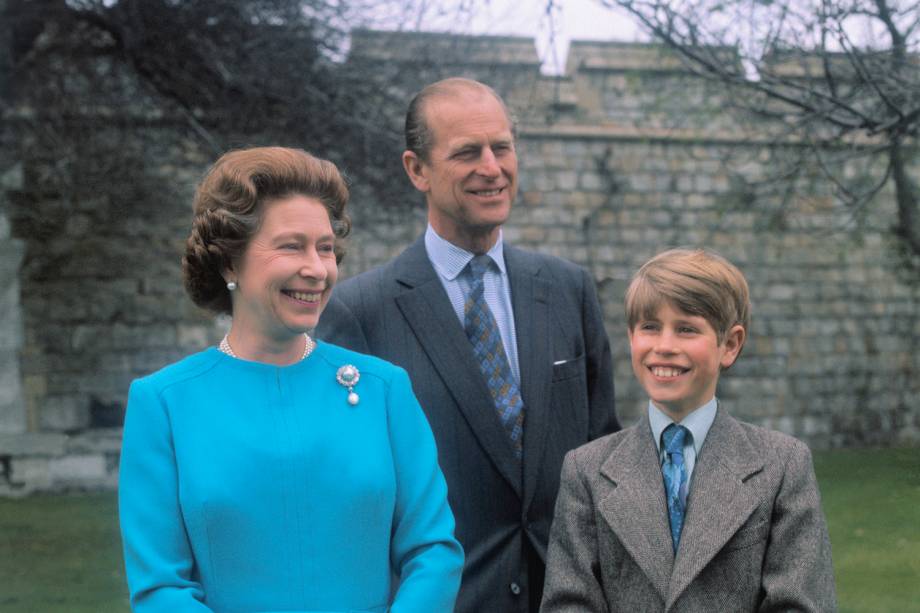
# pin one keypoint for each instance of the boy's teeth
(662, 371)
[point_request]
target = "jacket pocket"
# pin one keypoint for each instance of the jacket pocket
(568, 368)
(749, 535)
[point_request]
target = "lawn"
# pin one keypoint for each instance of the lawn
(61, 554)
(872, 502)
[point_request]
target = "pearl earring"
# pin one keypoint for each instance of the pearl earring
(231, 285)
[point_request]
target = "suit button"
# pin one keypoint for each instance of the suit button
(515, 588)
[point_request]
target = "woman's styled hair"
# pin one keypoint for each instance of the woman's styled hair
(228, 209)
(695, 281)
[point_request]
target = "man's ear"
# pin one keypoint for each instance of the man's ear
(417, 170)
(734, 341)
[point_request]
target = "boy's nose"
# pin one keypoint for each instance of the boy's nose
(665, 343)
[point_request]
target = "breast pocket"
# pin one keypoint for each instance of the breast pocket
(568, 368)
(749, 534)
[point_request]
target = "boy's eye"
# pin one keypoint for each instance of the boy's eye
(686, 330)
(326, 248)
(648, 326)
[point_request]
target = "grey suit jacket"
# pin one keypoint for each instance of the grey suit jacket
(754, 537)
(503, 506)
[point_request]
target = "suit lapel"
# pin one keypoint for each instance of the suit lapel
(529, 301)
(720, 499)
(428, 312)
(633, 504)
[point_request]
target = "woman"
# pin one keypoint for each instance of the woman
(275, 472)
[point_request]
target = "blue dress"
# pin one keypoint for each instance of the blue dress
(249, 487)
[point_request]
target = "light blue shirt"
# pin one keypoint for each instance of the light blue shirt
(697, 422)
(450, 260)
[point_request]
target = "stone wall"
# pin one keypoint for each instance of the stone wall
(625, 155)
(12, 406)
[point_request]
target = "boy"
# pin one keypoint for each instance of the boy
(737, 524)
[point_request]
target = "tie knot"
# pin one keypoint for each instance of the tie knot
(478, 266)
(673, 438)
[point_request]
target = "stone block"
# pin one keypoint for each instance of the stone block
(592, 181)
(78, 469)
(65, 413)
(193, 336)
(31, 472)
(32, 443)
(566, 180)
(12, 178)
(96, 441)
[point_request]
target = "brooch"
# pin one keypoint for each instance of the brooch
(348, 377)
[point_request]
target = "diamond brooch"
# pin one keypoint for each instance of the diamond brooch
(348, 377)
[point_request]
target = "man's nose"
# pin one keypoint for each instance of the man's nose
(488, 164)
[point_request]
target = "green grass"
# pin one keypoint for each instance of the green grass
(872, 502)
(62, 554)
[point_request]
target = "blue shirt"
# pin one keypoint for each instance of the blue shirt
(450, 260)
(697, 422)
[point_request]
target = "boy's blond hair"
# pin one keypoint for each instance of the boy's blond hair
(695, 281)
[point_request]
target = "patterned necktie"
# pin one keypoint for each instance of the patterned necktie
(482, 330)
(675, 478)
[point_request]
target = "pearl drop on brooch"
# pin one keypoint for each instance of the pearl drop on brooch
(348, 377)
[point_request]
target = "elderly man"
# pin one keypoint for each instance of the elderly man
(506, 348)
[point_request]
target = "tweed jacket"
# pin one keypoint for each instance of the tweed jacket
(754, 537)
(503, 506)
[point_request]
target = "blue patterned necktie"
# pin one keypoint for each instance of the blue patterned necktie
(482, 330)
(675, 478)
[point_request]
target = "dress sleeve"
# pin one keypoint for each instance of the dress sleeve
(158, 557)
(424, 553)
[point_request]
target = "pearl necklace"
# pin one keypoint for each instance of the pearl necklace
(309, 346)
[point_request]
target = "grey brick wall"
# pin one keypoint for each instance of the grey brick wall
(622, 157)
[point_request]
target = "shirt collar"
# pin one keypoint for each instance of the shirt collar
(449, 260)
(697, 422)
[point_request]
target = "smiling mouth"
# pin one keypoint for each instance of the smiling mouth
(667, 372)
(303, 296)
(487, 193)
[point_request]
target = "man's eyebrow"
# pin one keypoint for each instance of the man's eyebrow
(464, 147)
